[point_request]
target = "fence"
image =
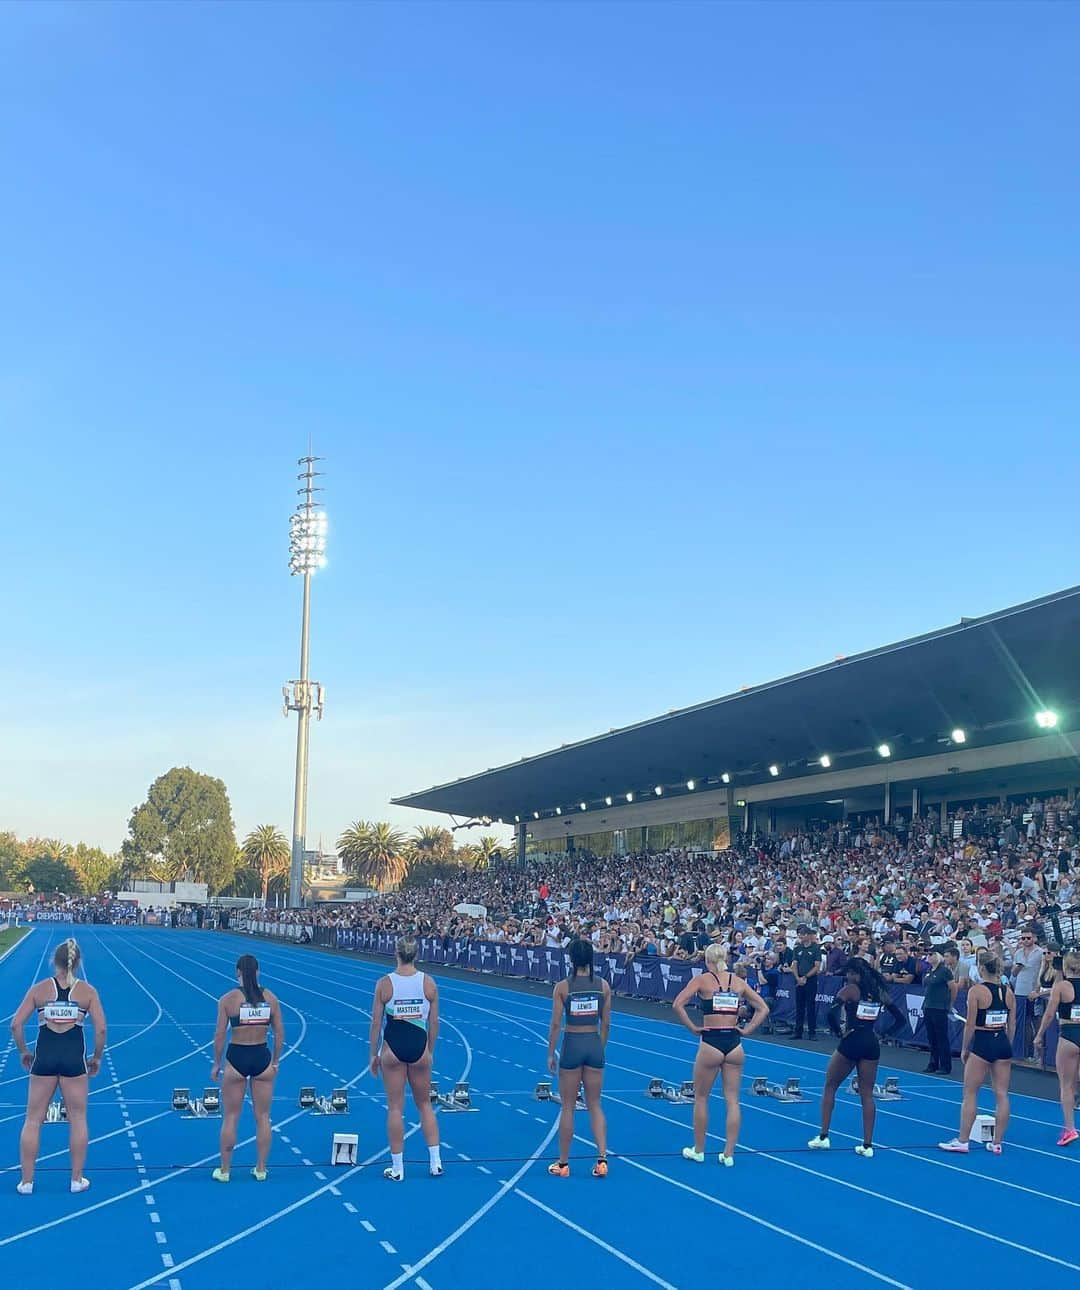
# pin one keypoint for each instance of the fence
(636, 978)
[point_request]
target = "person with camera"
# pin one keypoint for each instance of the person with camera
(1064, 1006)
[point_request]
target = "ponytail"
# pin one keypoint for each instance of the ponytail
(248, 967)
(68, 955)
(581, 955)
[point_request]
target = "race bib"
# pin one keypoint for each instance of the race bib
(725, 1001)
(997, 1019)
(409, 1009)
(584, 1007)
(60, 1012)
(1074, 1012)
(867, 1011)
(254, 1014)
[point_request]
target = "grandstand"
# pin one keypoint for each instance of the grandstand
(983, 711)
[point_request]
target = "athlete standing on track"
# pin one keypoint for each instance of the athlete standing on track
(585, 1004)
(721, 994)
(986, 1050)
(409, 1001)
(862, 998)
(62, 1003)
(250, 1010)
(1064, 1003)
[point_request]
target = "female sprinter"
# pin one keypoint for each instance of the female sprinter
(62, 1004)
(585, 1004)
(862, 997)
(720, 994)
(1064, 1004)
(250, 1010)
(986, 1050)
(409, 1001)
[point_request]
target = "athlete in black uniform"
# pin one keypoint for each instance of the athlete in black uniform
(1064, 1004)
(986, 1050)
(862, 999)
(720, 995)
(62, 1004)
(250, 1011)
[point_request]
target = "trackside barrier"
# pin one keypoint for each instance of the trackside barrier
(647, 977)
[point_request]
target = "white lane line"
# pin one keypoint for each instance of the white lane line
(350, 1207)
(388, 1247)
(591, 1236)
(422, 1284)
(368, 1227)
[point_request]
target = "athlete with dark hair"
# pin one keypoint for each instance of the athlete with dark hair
(62, 1004)
(860, 1000)
(408, 1000)
(251, 1011)
(583, 1002)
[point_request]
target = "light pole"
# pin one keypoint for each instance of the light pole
(307, 552)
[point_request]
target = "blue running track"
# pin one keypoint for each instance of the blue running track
(153, 1217)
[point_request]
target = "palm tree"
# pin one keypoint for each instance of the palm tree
(375, 853)
(432, 843)
(266, 850)
(486, 849)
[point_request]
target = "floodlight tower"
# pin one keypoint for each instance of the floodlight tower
(307, 552)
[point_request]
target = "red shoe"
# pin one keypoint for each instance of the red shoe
(599, 1170)
(1068, 1137)
(559, 1170)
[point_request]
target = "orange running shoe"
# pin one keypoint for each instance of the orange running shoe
(559, 1170)
(599, 1170)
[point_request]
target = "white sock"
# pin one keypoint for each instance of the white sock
(397, 1162)
(435, 1156)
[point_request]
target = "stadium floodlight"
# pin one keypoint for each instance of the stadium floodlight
(884, 750)
(774, 770)
(725, 778)
(607, 800)
(690, 785)
(629, 797)
(959, 736)
(825, 760)
(517, 819)
(1046, 720)
(536, 815)
(307, 553)
(558, 810)
(659, 790)
(584, 806)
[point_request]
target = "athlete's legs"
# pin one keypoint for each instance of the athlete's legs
(593, 1077)
(232, 1102)
(42, 1087)
(707, 1065)
(74, 1091)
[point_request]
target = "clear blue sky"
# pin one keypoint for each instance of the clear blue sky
(654, 349)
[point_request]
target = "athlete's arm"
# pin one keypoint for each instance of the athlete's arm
(761, 1008)
(1010, 1026)
(221, 1029)
(277, 1025)
(97, 1016)
(969, 1023)
(431, 990)
(678, 1005)
(558, 1003)
(1049, 1015)
(378, 1006)
(605, 1025)
(18, 1024)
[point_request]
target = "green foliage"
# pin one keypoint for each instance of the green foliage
(44, 873)
(266, 851)
(375, 854)
(98, 870)
(12, 859)
(183, 831)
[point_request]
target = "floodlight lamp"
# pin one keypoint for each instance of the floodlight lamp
(1046, 720)
(558, 810)
(690, 785)
(584, 806)
(825, 760)
(659, 790)
(629, 797)
(725, 778)
(517, 819)
(536, 815)
(959, 736)
(607, 801)
(884, 750)
(774, 770)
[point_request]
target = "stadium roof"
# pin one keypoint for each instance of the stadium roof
(986, 676)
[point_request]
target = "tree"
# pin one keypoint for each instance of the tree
(183, 831)
(266, 850)
(488, 849)
(98, 870)
(431, 843)
(374, 853)
(12, 860)
(44, 873)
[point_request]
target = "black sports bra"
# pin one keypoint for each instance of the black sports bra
(1069, 1013)
(63, 1010)
(996, 1016)
(722, 1003)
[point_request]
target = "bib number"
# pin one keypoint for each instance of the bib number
(584, 1007)
(60, 1012)
(997, 1019)
(408, 1009)
(1074, 1012)
(254, 1014)
(725, 1002)
(868, 1012)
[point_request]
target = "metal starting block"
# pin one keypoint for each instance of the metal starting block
(344, 1148)
(545, 1093)
(56, 1113)
(789, 1091)
(336, 1104)
(306, 1099)
(887, 1092)
(459, 1100)
(181, 1099)
(662, 1092)
(192, 1108)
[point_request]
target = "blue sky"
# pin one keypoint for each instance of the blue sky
(654, 350)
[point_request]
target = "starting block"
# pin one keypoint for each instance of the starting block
(191, 1108)
(306, 1099)
(545, 1093)
(56, 1113)
(459, 1100)
(789, 1091)
(983, 1128)
(887, 1092)
(344, 1149)
(336, 1104)
(662, 1092)
(181, 1099)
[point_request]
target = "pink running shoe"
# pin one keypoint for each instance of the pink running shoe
(994, 1148)
(1068, 1137)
